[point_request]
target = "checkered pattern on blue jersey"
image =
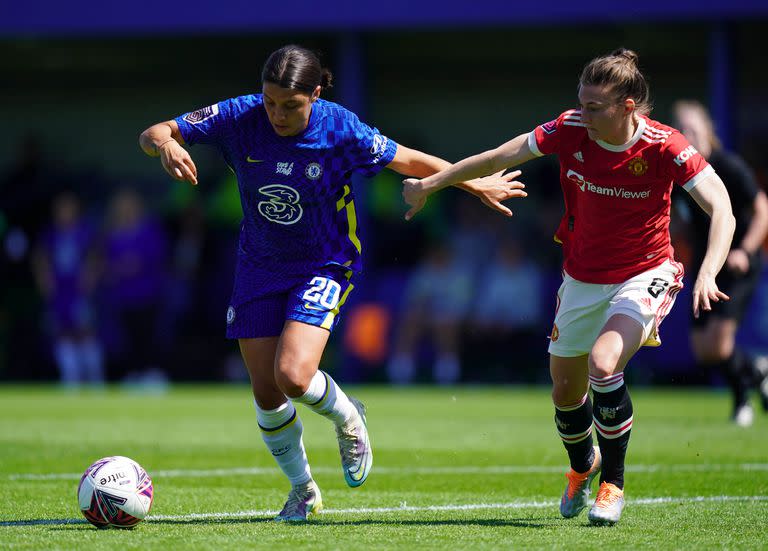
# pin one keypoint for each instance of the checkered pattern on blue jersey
(296, 191)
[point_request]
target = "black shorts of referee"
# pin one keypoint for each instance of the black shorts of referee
(740, 287)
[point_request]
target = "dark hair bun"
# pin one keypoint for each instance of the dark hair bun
(629, 55)
(326, 79)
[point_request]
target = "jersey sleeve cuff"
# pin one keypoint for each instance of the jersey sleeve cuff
(389, 155)
(690, 184)
(532, 145)
(184, 129)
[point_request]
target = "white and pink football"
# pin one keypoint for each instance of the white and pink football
(115, 492)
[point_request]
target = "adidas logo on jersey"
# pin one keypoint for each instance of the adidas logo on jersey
(578, 156)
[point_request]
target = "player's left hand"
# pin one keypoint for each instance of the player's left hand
(415, 196)
(494, 189)
(705, 292)
(738, 261)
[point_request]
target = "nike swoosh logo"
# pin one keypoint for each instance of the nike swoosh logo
(248, 159)
(308, 306)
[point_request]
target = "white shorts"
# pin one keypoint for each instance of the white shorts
(584, 308)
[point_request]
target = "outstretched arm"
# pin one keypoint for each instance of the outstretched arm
(738, 257)
(712, 197)
(164, 140)
(509, 154)
(491, 191)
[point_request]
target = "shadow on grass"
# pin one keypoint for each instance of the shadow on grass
(71, 523)
(43, 522)
(520, 523)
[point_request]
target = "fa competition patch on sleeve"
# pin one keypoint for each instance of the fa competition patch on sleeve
(203, 114)
(549, 127)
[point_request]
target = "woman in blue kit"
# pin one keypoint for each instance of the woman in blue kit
(294, 154)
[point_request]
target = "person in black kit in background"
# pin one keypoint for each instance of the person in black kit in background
(713, 335)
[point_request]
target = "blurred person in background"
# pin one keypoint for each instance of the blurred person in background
(620, 278)
(713, 333)
(294, 154)
(182, 310)
(65, 273)
(135, 274)
(25, 191)
(507, 311)
(435, 303)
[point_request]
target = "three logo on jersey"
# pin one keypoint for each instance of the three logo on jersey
(282, 201)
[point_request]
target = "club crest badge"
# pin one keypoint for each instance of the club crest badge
(313, 171)
(638, 166)
(555, 333)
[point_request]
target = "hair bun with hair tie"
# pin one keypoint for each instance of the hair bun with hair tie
(629, 55)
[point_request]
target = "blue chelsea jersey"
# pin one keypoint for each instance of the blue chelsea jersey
(296, 191)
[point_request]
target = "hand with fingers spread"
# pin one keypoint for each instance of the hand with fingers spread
(494, 189)
(705, 292)
(177, 162)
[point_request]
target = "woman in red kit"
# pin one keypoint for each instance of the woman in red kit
(620, 278)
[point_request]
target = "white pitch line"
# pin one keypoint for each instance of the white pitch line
(405, 508)
(401, 471)
(402, 508)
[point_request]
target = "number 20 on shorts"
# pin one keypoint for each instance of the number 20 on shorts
(323, 291)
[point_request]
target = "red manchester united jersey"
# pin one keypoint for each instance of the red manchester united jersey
(617, 198)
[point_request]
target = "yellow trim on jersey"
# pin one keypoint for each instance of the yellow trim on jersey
(340, 203)
(351, 218)
(328, 321)
(343, 298)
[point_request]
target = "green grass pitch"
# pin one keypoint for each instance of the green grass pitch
(454, 468)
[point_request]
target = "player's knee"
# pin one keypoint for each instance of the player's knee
(293, 376)
(707, 356)
(713, 352)
(724, 350)
(603, 363)
(267, 394)
(561, 397)
(567, 393)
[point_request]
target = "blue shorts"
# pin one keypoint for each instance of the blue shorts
(316, 302)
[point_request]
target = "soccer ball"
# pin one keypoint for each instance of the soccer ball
(115, 492)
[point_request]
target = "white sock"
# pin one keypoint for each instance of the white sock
(67, 361)
(281, 430)
(447, 370)
(93, 360)
(401, 369)
(326, 398)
